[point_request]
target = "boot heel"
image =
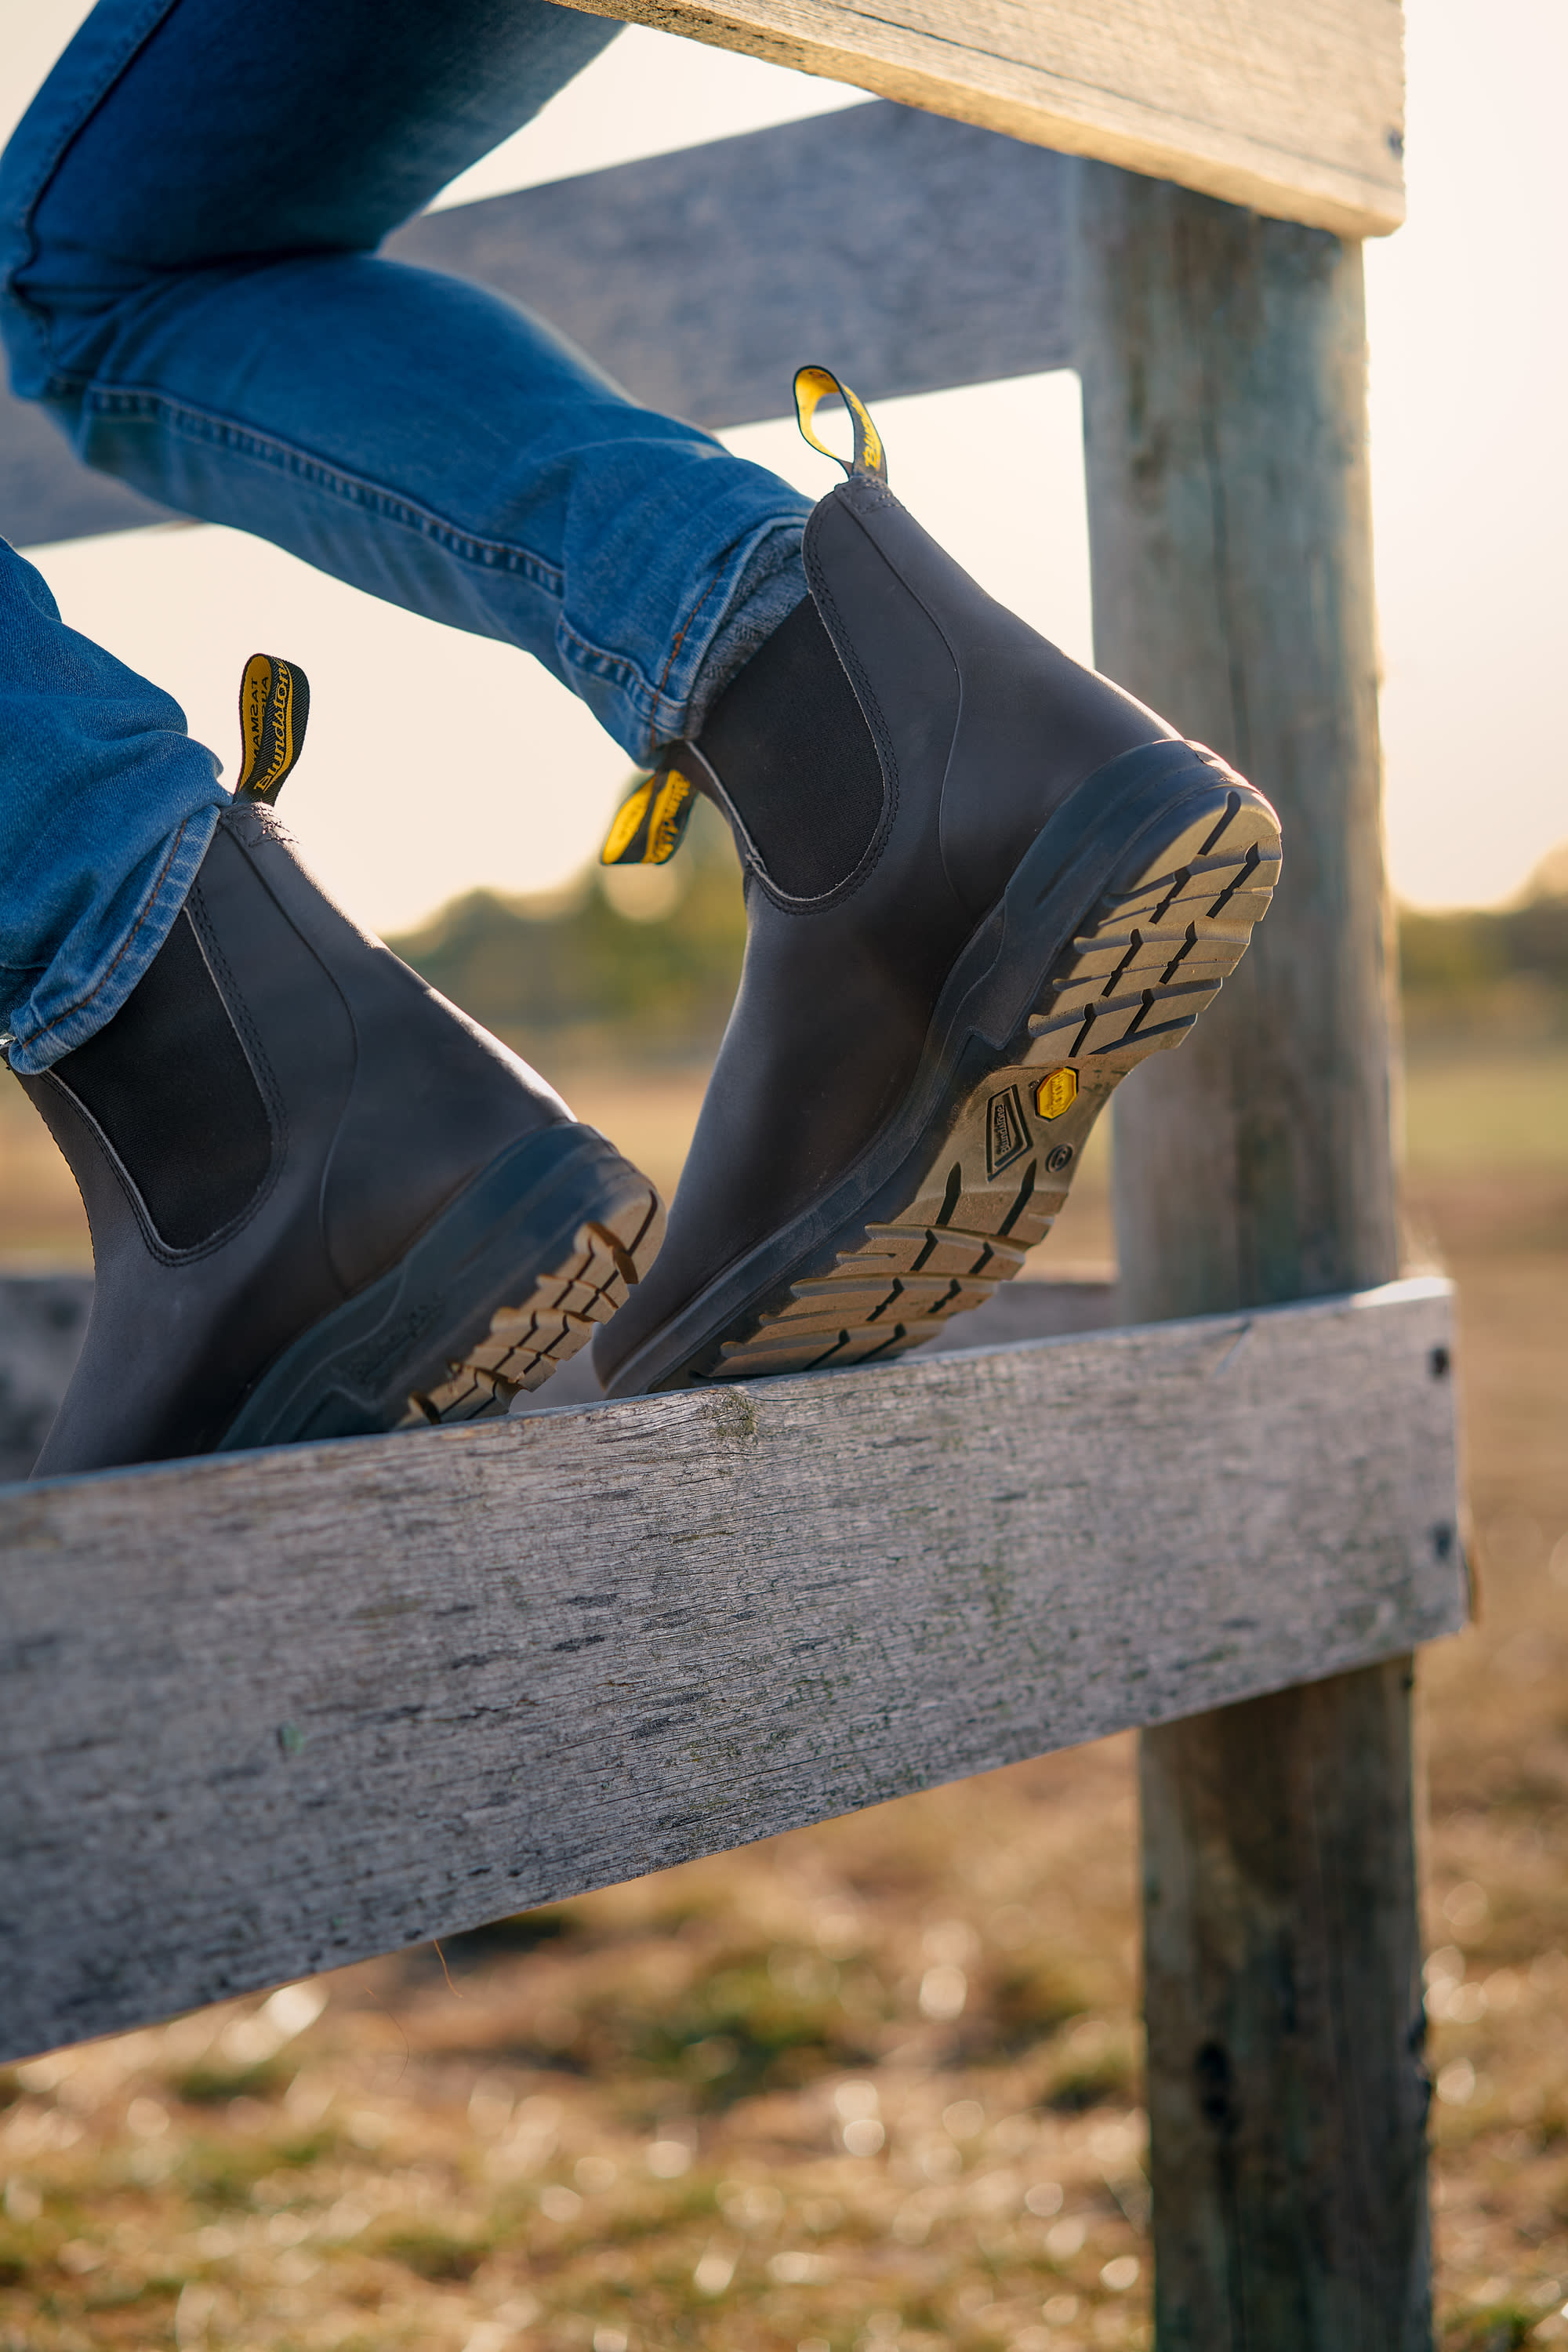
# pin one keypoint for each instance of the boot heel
(1172, 923)
(604, 1258)
(457, 1328)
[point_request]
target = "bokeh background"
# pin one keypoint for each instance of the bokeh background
(877, 2084)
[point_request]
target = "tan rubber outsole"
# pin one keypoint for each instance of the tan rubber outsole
(529, 1341)
(1150, 957)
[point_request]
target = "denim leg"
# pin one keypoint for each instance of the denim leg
(106, 810)
(192, 203)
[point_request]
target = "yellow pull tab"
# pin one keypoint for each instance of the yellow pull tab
(274, 704)
(812, 385)
(649, 827)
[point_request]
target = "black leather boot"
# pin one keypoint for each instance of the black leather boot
(982, 885)
(315, 1187)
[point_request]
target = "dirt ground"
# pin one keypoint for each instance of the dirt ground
(869, 2085)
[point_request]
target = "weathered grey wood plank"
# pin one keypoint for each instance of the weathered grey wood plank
(1224, 365)
(1223, 362)
(912, 252)
(1293, 108)
(265, 1714)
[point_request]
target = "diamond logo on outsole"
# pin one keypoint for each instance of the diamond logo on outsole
(1006, 1136)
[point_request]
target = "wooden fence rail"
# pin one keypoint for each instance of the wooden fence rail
(1292, 108)
(264, 1713)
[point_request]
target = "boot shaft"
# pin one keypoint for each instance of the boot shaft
(267, 1016)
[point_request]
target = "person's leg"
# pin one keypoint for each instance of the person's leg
(92, 757)
(313, 1186)
(192, 205)
(968, 857)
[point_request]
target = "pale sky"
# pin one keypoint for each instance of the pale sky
(1469, 389)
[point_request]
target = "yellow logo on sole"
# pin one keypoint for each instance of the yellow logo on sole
(1056, 1092)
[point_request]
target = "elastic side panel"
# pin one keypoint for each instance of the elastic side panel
(169, 1083)
(790, 745)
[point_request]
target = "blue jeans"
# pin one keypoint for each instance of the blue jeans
(189, 215)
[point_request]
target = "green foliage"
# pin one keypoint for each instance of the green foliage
(431, 2253)
(1096, 2069)
(1031, 1999)
(741, 2016)
(213, 2084)
(1453, 952)
(222, 2173)
(580, 969)
(523, 1931)
(740, 2027)
(1491, 965)
(1503, 2327)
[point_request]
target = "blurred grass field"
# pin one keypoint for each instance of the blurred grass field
(1471, 1109)
(873, 2084)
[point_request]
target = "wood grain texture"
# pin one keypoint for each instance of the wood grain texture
(1223, 366)
(1295, 111)
(922, 252)
(264, 1713)
(1282, 1957)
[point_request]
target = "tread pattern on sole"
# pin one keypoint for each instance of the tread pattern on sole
(529, 1341)
(1149, 955)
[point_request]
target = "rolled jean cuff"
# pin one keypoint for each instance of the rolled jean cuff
(68, 1007)
(756, 583)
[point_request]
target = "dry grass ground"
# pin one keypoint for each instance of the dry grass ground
(873, 2084)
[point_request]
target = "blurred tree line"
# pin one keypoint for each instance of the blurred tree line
(641, 964)
(626, 963)
(1498, 969)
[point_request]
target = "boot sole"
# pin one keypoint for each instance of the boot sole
(507, 1283)
(1116, 931)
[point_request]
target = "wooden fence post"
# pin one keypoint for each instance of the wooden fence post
(1223, 359)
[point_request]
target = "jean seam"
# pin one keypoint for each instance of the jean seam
(204, 427)
(616, 669)
(623, 672)
(680, 637)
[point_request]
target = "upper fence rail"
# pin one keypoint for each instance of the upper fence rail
(1293, 108)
